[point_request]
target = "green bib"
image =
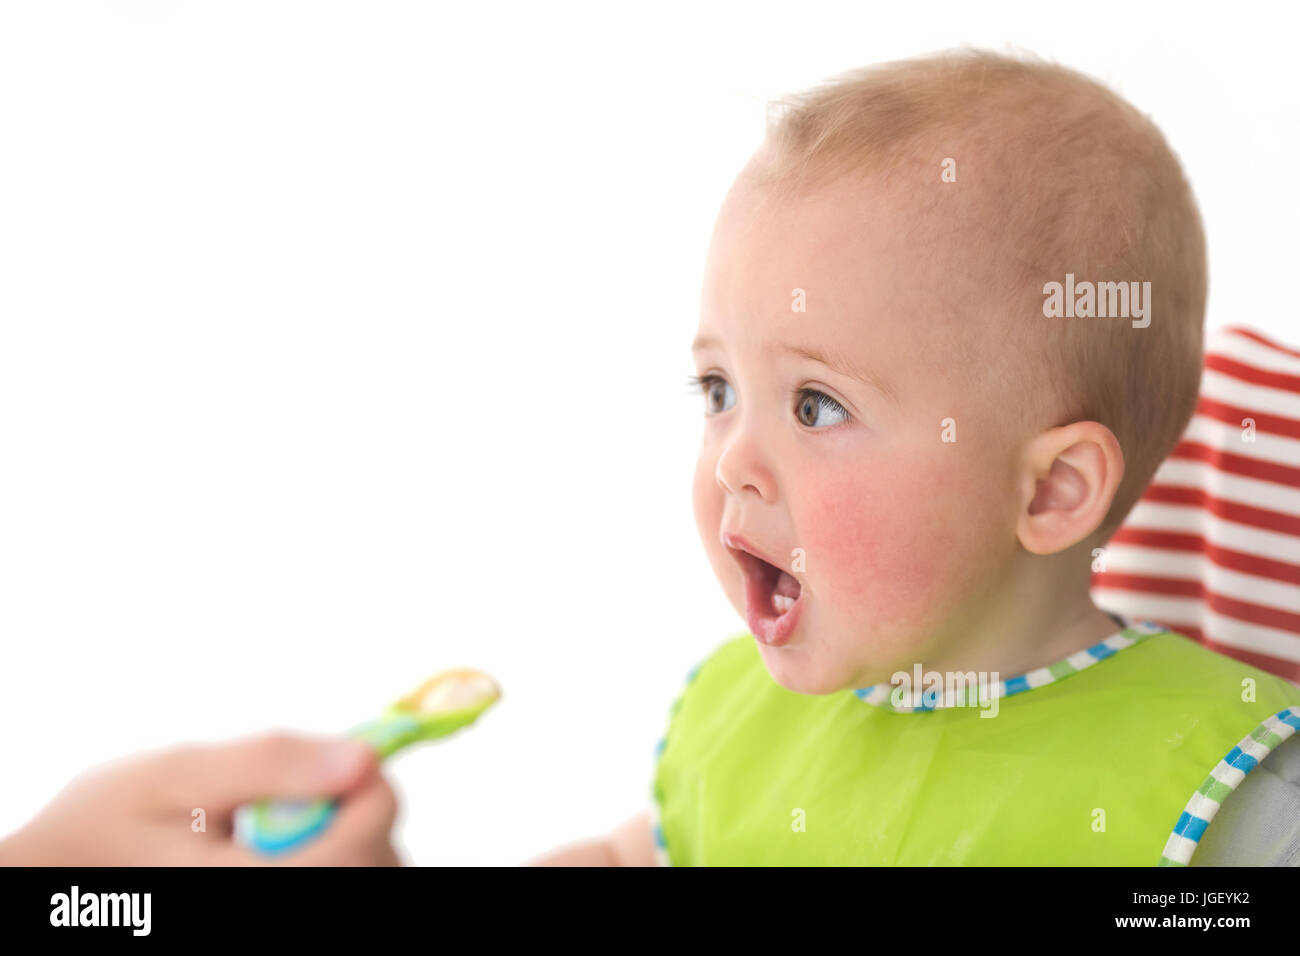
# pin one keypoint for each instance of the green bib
(1120, 755)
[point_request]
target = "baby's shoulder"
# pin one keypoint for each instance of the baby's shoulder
(1260, 824)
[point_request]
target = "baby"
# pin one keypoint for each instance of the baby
(910, 453)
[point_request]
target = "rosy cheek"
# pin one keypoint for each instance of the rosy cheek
(858, 538)
(890, 546)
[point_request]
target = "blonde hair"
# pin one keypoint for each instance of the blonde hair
(1073, 179)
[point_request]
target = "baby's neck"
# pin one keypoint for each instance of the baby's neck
(1040, 619)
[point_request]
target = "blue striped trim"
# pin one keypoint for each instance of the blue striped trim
(1132, 633)
(1101, 651)
(1190, 826)
(1224, 780)
(1016, 685)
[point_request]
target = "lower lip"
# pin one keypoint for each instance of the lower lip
(764, 624)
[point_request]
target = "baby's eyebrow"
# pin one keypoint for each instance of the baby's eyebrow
(838, 363)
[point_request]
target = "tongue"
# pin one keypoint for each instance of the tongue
(787, 586)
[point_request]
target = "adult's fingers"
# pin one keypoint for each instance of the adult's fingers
(281, 766)
(358, 835)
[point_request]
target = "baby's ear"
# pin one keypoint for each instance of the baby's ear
(1068, 479)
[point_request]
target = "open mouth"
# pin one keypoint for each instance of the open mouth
(772, 595)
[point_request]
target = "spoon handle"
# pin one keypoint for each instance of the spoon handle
(277, 826)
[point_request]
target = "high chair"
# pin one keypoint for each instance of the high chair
(1212, 549)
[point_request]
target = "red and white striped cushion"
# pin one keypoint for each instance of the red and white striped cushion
(1212, 549)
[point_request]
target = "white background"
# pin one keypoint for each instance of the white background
(344, 342)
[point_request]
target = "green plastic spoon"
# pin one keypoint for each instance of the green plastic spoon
(440, 706)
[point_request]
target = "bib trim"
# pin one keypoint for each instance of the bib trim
(1223, 780)
(881, 695)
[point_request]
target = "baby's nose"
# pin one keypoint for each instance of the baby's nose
(742, 468)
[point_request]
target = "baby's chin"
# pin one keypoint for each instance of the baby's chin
(811, 667)
(823, 657)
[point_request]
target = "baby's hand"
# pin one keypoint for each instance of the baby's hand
(174, 807)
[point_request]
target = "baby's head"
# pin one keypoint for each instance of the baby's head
(903, 453)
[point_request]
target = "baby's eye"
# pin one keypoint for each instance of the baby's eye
(818, 410)
(718, 394)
